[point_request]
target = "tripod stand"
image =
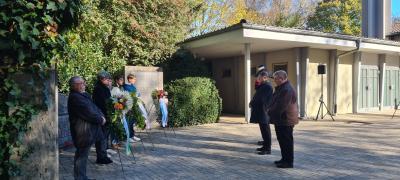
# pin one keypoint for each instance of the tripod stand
(322, 104)
(396, 106)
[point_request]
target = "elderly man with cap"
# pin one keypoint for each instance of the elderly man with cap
(85, 120)
(259, 105)
(101, 94)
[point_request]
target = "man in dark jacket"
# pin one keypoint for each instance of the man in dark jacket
(101, 94)
(284, 115)
(85, 124)
(259, 105)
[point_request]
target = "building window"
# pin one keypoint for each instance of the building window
(226, 73)
(253, 71)
(280, 66)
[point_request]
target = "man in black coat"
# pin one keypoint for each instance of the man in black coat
(101, 94)
(258, 105)
(283, 111)
(85, 124)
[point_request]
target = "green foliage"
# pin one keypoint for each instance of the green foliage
(145, 32)
(337, 16)
(113, 33)
(84, 53)
(30, 42)
(193, 100)
(135, 113)
(184, 64)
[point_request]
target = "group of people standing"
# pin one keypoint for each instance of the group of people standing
(88, 119)
(277, 107)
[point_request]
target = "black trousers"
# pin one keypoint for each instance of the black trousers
(80, 161)
(266, 135)
(284, 135)
(131, 123)
(102, 144)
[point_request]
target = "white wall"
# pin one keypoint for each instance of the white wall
(344, 83)
(317, 56)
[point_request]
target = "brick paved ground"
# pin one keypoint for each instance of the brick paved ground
(353, 147)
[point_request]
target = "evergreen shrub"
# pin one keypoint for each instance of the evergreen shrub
(193, 101)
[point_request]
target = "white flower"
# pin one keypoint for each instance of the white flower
(118, 95)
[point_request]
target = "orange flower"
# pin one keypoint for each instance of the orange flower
(118, 106)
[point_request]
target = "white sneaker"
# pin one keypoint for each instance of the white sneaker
(111, 151)
(131, 140)
(109, 156)
(136, 138)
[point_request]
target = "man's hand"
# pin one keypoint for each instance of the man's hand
(104, 121)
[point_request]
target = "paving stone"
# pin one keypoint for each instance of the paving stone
(363, 146)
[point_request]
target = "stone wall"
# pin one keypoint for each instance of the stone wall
(42, 163)
(148, 79)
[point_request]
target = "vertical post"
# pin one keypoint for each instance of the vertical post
(335, 85)
(382, 69)
(322, 97)
(356, 80)
(247, 84)
(331, 75)
(298, 78)
(304, 51)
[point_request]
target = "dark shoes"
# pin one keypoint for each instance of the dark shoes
(104, 161)
(263, 151)
(283, 164)
(260, 143)
(278, 162)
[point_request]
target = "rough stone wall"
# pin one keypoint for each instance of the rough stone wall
(42, 163)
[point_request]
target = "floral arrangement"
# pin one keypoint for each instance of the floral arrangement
(161, 106)
(135, 113)
(119, 105)
(156, 94)
(121, 100)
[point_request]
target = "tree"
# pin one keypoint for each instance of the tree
(337, 16)
(220, 13)
(209, 16)
(112, 33)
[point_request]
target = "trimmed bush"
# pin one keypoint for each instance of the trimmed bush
(193, 101)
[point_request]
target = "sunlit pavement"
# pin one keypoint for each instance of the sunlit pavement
(363, 146)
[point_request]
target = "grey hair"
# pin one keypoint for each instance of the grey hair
(280, 73)
(72, 80)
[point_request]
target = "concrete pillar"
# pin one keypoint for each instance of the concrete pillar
(304, 60)
(382, 76)
(247, 83)
(356, 80)
(298, 60)
(333, 68)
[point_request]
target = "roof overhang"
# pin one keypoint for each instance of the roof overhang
(230, 41)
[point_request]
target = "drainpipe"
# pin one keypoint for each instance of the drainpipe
(358, 42)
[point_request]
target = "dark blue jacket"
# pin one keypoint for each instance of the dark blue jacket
(101, 95)
(130, 88)
(259, 104)
(85, 119)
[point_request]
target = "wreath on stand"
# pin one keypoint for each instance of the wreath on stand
(124, 105)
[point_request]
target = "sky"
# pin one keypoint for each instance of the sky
(395, 7)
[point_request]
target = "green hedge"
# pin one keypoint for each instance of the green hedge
(192, 101)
